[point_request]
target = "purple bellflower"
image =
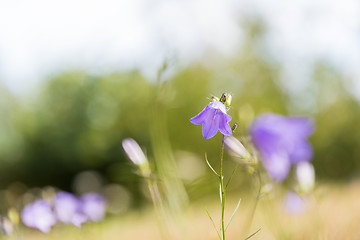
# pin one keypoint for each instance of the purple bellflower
(68, 209)
(294, 204)
(213, 117)
(282, 142)
(38, 215)
(94, 206)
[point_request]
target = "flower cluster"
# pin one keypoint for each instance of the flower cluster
(66, 208)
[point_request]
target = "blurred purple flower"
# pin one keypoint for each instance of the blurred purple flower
(294, 204)
(282, 141)
(93, 205)
(213, 117)
(38, 215)
(68, 209)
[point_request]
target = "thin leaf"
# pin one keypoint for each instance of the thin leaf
(211, 166)
(213, 223)
(237, 207)
(232, 174)
(252, 234)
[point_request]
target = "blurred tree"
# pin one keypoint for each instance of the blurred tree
(77, 123)
(337, 137)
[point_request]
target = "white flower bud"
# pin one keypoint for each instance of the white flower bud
(305, 176)
(237, 150)
(133, 151)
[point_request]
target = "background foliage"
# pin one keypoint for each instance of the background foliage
(76, 121)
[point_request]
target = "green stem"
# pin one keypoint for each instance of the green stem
(222, 190)
(247, 229)
(159, 208)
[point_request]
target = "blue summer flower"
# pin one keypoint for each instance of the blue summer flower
(282, 142)
(38, 215)
(213, 117)
(68, 209)
(94, 206)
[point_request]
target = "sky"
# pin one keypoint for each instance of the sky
(41, 37)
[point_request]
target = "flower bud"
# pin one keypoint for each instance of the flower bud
(234, 127)
(133, 151)
(236, 149)
(266, 189)
(250, 170)
(305, 176)
(136, 155)
(226, 99)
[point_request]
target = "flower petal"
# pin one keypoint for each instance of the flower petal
(202, 116)
(301, 127)
(277, 166)
(210, 127)
(228, 118)
(302, 152)
(224, 126)
(218, 105)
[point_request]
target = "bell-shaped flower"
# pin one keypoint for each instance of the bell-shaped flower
(38, 215)
(282, 141)
(93, 206)
(213, 117)
(68, 209)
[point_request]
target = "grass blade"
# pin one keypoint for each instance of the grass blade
(211, 166)
(213, 223)
(252, 234)
(237, 207)
(231, 176)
